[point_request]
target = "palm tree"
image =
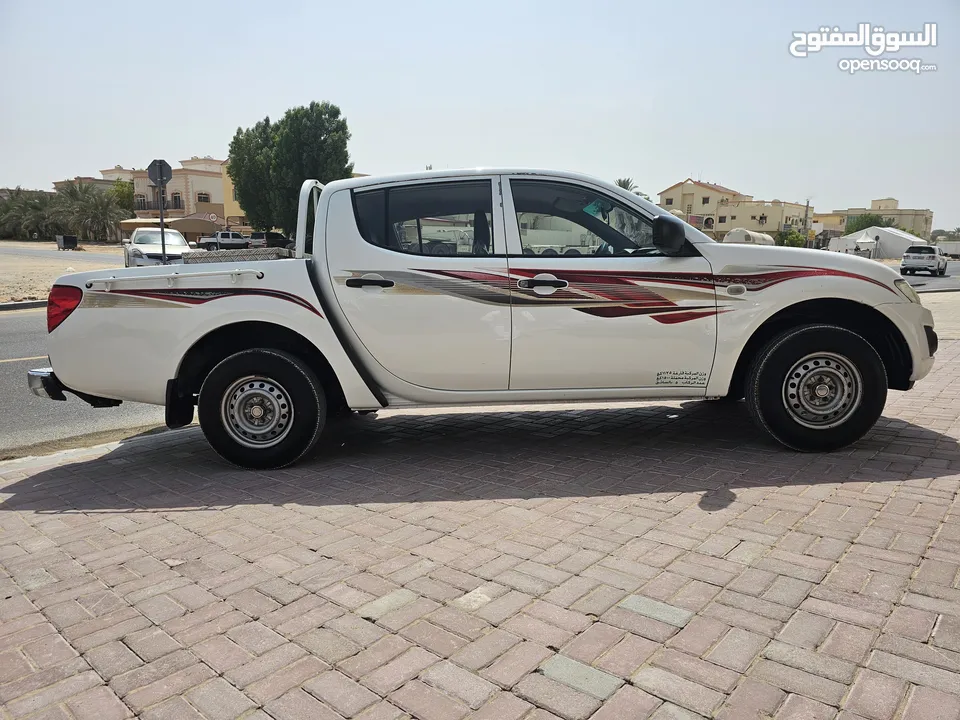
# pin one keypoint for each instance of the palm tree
(98, 216)
(70, 198)
(32, 213)
(626, 183)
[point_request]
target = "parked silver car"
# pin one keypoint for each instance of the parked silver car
(144, 248)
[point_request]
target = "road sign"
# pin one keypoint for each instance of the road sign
(159, 172)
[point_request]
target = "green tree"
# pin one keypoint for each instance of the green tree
(122, 192)
(8, 228)
(270, 161)
(29, 213)
(862, 222)
(82, 209)
(251, 154)
(310, 142)
(628, 185)
(98, 216)
(790, 238)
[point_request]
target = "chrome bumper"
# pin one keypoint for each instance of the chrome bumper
(43, 383)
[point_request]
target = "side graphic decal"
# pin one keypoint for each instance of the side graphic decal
(608, 294)
(182, 297)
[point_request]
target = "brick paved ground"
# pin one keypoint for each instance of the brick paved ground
(656, 560)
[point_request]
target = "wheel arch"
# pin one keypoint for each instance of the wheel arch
(226, 340)
(871, 324)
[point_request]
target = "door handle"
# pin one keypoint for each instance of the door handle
(369, 282)
(527, 284)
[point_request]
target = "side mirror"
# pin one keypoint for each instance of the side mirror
(669, 234)
(193, 245)
(125, 241)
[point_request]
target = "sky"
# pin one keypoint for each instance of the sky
(655, 91)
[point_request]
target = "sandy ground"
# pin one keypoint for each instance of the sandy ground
(30, 278)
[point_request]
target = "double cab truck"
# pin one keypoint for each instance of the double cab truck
(266, 350)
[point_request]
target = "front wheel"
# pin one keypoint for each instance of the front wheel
(262, 408)
(817, 388)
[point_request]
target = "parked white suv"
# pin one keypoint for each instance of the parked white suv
(144, 247)
(924, 258)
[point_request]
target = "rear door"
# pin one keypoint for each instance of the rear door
(595, 305)
(420, 272)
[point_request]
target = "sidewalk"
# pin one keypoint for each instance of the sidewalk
(649, 560)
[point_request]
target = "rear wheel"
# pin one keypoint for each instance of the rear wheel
(817, 388)
(262, 408)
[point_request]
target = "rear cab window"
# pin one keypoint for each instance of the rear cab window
(450, 218)
(920, 250)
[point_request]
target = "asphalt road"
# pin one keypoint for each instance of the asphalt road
(929, 283)
(87, 256)
(27, 419)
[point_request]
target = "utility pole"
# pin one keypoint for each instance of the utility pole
(806, 229)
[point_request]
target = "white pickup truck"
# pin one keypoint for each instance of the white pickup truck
(638, 306)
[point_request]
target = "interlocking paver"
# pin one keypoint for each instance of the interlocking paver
(557, 698)
(497, 563)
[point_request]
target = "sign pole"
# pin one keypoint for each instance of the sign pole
(163, 239)
(159, 172)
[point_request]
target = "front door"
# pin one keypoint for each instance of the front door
(595, 305)
(415, 273)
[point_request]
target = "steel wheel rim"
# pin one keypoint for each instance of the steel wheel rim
(822, 390)
(257, 412)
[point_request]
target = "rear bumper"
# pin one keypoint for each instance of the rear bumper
(44, 383)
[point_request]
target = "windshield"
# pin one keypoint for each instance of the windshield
(152, 237)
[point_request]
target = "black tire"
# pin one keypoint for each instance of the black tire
(289, 386)
(902, 271)
(768, 389)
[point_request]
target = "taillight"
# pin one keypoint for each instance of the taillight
(63, 300)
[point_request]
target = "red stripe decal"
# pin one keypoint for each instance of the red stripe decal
(200, 296)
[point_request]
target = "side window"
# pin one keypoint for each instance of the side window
(557, 219)
(454, 218)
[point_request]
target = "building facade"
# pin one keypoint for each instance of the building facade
(716, 209)
(195, 187)
(917, 222)
(102, 183)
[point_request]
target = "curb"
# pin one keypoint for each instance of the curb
(23, 305)
(938, 290)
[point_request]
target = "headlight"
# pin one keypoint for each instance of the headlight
(135, 252)
(908, 292)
